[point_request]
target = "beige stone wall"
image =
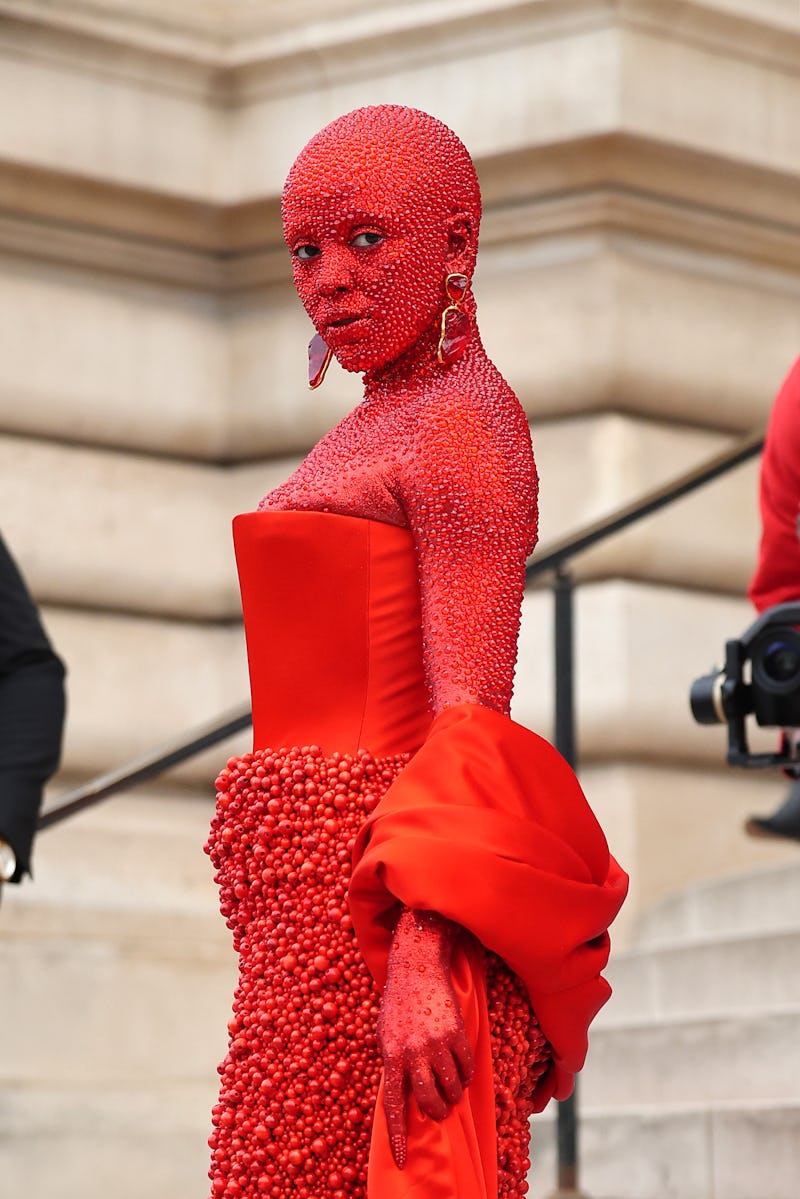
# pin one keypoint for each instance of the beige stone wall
(638, 284)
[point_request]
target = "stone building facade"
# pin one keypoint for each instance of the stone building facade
(639, 286)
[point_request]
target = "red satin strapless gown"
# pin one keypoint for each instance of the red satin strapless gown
(356, 801)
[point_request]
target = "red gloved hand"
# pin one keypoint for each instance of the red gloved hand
(420, 1028)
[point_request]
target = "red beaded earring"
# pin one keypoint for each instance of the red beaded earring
(319, 359)
(455, 330)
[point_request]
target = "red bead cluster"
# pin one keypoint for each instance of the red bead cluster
(520, 1056)
(299, 1082)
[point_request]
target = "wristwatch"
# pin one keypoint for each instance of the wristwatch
(8, 862)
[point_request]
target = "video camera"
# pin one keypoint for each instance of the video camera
(762, 677)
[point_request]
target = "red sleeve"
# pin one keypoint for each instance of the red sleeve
(470, 502)
(777, 576)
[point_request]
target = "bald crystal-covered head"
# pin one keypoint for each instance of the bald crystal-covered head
(379, 207)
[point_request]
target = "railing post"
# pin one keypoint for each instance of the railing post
(563, 589)
(563, 594)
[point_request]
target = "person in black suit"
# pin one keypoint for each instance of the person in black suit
(32, 707)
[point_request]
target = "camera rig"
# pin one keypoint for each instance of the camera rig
(771, 692)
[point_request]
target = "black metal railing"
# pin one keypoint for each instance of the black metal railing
(651, 502)
(556, 562)
(148, 766)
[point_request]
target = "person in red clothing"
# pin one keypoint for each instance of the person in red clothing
(418, 890)
(777, 576)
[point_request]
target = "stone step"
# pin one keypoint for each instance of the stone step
(123, 974)
(684, 1151)
(730, 975)
(140, 851)
(150, 1139)
(122, 967)
(140, 1001)
(711, 1059)
(73, 1140)
(759, 901)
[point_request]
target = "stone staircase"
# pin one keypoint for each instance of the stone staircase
(692, 1087)
(117, 976)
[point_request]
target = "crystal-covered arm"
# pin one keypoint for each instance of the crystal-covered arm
(471, 506)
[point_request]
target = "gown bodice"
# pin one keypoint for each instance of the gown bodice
(332, 622)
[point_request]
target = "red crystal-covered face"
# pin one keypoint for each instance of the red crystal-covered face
(369, 276)
(374, 231)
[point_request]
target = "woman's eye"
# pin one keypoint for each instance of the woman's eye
(366, 239)
(306, 252)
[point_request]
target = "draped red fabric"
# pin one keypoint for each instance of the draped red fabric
(457, 1158)
(488, 826)
(777, 576)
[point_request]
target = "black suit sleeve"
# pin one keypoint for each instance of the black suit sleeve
(31, 712)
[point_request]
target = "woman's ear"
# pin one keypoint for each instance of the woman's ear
(461, 248)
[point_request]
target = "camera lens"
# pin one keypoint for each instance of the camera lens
(705, 699)
(781, 661)
(776, 661)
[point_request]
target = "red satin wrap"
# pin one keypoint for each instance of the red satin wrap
(488, 826)
(456, 1159)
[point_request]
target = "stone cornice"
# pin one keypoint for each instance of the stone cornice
(612, 183)
(727, 26)
(234, 60)
(338, 51)
(643, 165)
(84, 203)
(158, 62)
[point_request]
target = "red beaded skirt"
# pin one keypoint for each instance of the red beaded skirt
(299, 1082)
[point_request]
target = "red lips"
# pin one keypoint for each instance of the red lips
(342, 320)
(344, 326)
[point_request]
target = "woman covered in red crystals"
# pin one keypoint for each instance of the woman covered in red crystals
(416, 886)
